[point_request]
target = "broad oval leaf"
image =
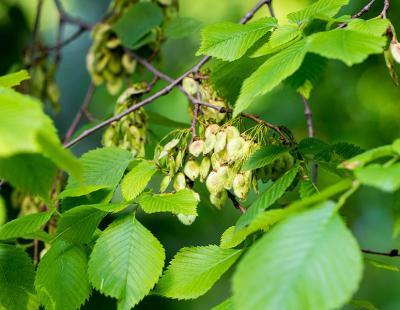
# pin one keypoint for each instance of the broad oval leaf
(311, 261)
(137, 179)
(17, 276)
(62, 281)
(181, 202)
(126, 262)
(25, 225)
(264, 156)
(384, 178)
(271, 74)
(193, 271)
(349, 46)
(230, 41)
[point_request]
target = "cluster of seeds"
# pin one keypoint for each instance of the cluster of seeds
(107, 60)
(130, 132)
(42, 83)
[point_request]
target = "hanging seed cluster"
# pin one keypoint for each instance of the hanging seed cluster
(205, 92)
(130, 132)
(42, 83)
(107, 61)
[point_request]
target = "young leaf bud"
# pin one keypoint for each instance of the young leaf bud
(192, 170)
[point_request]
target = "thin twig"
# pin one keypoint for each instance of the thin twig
(236, 203)
(392, 253)
(360, 13)
(158, 94)
(65, 17)
(195, 116)
(66, 41)
(81, 111)
(385, 8)
(311, 133)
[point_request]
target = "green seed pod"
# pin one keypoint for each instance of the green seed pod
(186, 219)
(171, 163)
(212, 129)
(235, 149)
(190, 86)
(128, 63)
(113, 43)
(179, 160)
(209, 143)
(231, 174)
(204, 168)
(196, 148)
(171, 144)
(192, 170)
(220, 142)
(395, 50)
(164, 183)
(241, 185)
(215, 161)
(179, 181)
(214, 183)
(218, 200)
(232, 133)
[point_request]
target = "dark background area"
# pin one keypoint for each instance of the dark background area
(359, 105)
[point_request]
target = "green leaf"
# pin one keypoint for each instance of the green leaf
(311, 261)
(376, 26)
(396, 214)
(368, 156)
(383, 265)
(271, 74)
(14, 79)
(282, 37)
(181, 27)
(363, 304)
(126, 262)
(328, 8)
(349, 46)
(36, 136)
(17, 275)
(24, 225)
(62, 280)
(158, 119)
(137, 21)
(264, 156)
(227, 77)
(137, 179)
(3, 211)
(268, 198)
(384, 178)
(31, 173)
(78, 224)
(181, 202)
(230, 41)
(309, 73)
(312, 146)
(307, 188)
(227, 304)
(193, 271)
(102, 168)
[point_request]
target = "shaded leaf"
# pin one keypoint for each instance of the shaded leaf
(181, 27)
(264, 156)
(384, 178)
(14, 79)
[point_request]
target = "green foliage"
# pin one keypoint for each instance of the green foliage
(271, 74)
(25, 225)
(193, 271)
(3, 211)
(137, 179)
(137, 21)
(320, 8)
(230, 41)
(349, 46)
(181, 27)
(102, 169)
(268, 198)
(62, 280)
(396, 214)
(310, 260)
(182, 202)
(227, 304)
(17, 275)
(14, 79)
(264, 156)
(126, 262)
(385, 178)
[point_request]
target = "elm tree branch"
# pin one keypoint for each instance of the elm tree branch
(392, 253)
(161, 92)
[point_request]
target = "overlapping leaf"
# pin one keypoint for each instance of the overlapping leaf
(14, 79)
(193, 271)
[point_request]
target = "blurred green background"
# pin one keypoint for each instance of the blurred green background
(359, 105)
